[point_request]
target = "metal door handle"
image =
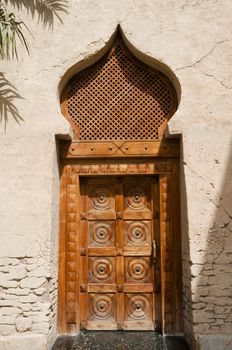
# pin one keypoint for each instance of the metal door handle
(154, 250)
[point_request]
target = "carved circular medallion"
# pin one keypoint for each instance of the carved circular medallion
(137, 233)
(101, 269)
(138, 269)
(138, 307)
(101, 198)
(101, 233)
(136, 198)
(101, 307)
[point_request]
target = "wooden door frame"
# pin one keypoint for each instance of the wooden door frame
(119, 159)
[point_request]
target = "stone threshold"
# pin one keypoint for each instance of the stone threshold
(119, 340)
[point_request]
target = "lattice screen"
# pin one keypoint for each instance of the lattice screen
(119, 98)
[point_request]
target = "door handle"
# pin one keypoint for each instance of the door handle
(154, 251)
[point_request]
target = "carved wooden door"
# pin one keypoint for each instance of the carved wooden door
(117, 248)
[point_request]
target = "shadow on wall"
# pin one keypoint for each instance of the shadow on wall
(213, 295)
(186, 272)
(46, 10)
(8, 94)
(208, 284)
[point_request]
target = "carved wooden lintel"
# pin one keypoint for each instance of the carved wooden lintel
(149, 167)
(158, 148)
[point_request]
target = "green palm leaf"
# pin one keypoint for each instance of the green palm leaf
(10, 28)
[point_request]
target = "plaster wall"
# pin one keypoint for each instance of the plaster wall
(193, 38)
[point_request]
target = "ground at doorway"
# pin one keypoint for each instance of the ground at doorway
(106, 340)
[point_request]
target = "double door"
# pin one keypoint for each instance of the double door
(119, 230)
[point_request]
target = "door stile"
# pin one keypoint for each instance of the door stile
(83, 249)
(177, 249)
(83, 268)
(153, 246)
(166, 254)
(62, 324)
(93, 292)
(78, 236)
(156, 254)
(119, 256)
(72, 259)
(139, 279)
(162, 186)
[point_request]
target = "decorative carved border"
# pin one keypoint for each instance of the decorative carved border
(170, 296)
(160, 148)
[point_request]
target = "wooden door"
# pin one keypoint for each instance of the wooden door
(117, 248)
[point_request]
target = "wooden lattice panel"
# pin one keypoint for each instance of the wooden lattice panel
(118, 98)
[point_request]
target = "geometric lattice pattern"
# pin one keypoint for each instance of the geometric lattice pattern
(119, 98)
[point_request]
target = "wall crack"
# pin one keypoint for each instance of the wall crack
(196, 64)
(214, 188)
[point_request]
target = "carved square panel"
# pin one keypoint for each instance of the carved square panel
(138, 307)
(101, 233)
(137, 233)
(101, 307)
(137, 197)
(137, 270)
(101, 270)
(101, 198)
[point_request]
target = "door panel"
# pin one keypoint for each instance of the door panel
(138, 310)
(101, 311)
(116, 270)
(100, 200)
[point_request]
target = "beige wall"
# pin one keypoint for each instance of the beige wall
(191, 37)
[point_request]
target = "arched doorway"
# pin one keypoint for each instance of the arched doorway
(119, 260)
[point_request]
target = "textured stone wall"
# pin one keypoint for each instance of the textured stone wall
(193, 39)
(207, 273)
(27, 296)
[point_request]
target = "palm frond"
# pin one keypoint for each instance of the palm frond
(10, 28)
(8, 97)
(54, 6)
(45, 9)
